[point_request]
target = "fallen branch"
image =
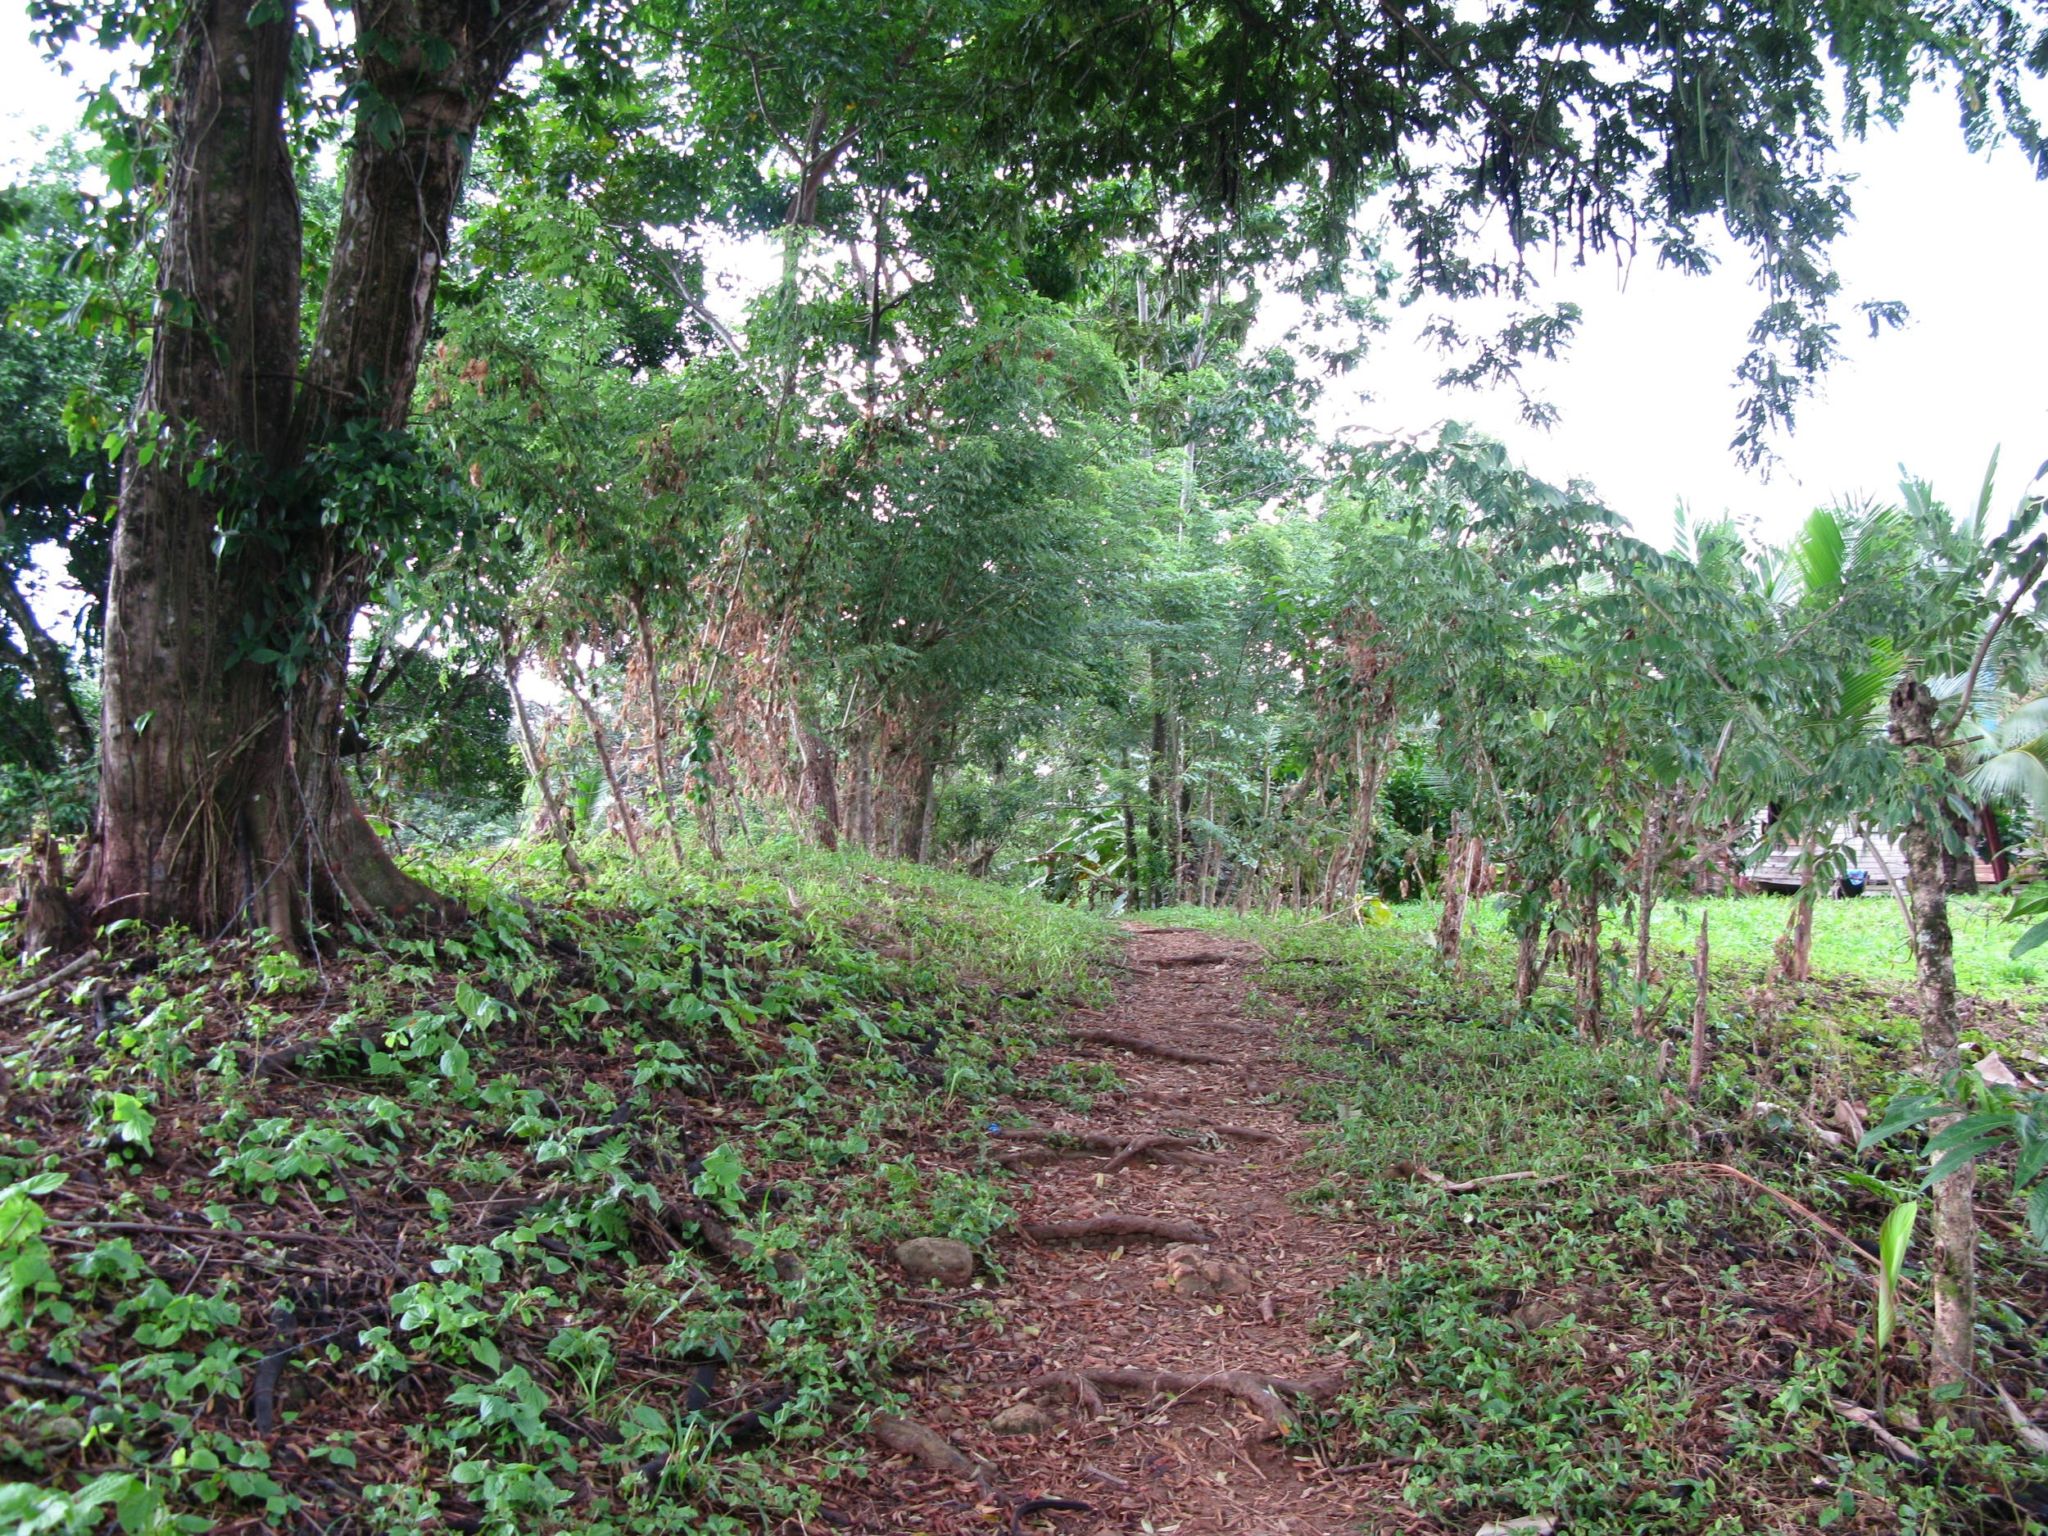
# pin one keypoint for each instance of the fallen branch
(1090, 1228)
(1857, 1414)
(1143, 1047)
(1267, 1395)
(63, 972)
(1183, 962)
(49, 1384)
(2030, 1434)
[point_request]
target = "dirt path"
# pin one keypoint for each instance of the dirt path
(1193, 1462)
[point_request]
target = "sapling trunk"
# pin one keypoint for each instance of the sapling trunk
(1530, 959)
(659, 724)
(537, 765)
(1702, 1044)
(1952, 1352)
(1450, 925)
(1794, 960)
(604, 758)
(1646, 902)
(1586, 990)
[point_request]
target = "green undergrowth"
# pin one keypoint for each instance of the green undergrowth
(1630, 1339)
(568, 1218)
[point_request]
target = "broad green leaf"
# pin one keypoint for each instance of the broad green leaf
(1893, 1239)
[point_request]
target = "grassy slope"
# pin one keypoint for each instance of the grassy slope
(571, 1222)
(1636, 1352)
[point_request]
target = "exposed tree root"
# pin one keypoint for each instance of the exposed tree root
(1185, 962)
(1267, 1395)
(1144, 1047)
(1159, 1147)
(1093, 1228)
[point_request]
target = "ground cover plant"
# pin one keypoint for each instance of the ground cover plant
(564, 1221)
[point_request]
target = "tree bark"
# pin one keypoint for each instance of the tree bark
(1952, 1356)
(233, 587)
(1586, 968)
(44, 919)
(1457, 886)
(1793, 960)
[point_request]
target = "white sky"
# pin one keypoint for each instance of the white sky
(1646, 394)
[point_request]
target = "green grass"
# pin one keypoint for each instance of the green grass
(1858, 940)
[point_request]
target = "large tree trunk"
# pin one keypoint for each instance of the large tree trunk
(222, 796)
(1953, 1352)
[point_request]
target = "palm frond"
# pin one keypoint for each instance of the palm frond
(1820, 553)
(2016, 774)
(1863, 692)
